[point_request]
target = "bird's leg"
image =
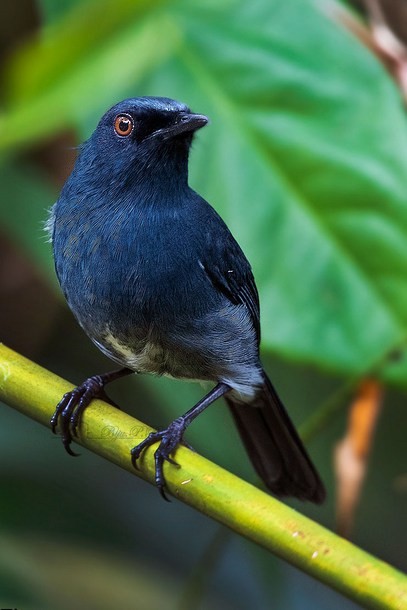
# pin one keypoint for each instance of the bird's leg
(69, 410)
(171, 436)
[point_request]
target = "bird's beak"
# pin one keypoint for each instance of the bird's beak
(185, 122)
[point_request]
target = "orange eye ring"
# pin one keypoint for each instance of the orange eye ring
(123, 125)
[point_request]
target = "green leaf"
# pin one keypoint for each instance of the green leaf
(53, 11)
(84, 62)
(306, 159)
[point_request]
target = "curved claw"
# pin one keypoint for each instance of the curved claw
(159, 475)
(75, 414)
(184, 443)
(171, 461)
(136, 452)
(66, 441)
(161, 489)
(70, 408)
(169, 439)
(60, 408)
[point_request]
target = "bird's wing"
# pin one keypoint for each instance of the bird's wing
(230, 271)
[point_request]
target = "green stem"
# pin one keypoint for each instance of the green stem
(215, 492)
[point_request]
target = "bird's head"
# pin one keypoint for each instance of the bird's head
(143, 136)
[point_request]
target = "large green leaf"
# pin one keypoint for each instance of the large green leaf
(307, 161)
(81, 63)
(306, 156)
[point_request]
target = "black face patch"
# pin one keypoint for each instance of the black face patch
(150, 123)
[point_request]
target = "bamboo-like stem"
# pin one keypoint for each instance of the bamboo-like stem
(245, 509)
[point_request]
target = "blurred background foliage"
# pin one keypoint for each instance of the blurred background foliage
(306, 160)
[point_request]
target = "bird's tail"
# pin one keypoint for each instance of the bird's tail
(274, 447)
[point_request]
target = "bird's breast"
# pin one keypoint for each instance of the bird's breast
(129, 275)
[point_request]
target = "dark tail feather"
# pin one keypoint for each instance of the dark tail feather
(274, 447)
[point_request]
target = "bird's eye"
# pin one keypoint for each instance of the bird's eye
(123, 125)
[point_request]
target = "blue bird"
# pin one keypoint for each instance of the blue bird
(157, 281)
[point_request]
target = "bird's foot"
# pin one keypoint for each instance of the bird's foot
(169, 439)
(68, 413)
(70, 408)
(173, 435)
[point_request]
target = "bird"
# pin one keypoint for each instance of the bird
(157, 281)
